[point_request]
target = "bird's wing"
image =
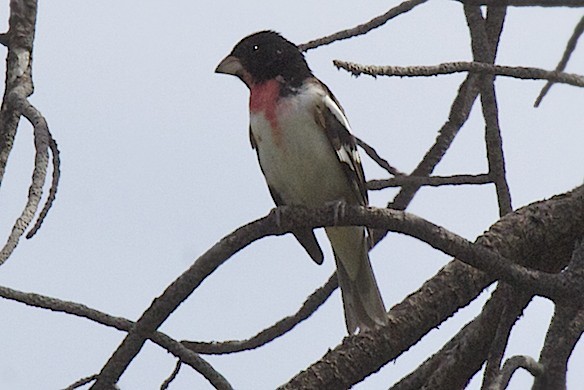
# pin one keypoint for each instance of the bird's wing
(331, 118)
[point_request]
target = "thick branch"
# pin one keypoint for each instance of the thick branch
(545, 244)
(19, 86)
(564, 332)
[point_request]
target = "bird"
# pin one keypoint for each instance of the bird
(308, 157)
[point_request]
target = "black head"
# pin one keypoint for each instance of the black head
(263, 56)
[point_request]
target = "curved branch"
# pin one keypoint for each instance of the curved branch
(54, 185)
(313, 302)
(364, 28)
(516, 362)
(41, 141)
(119, 323)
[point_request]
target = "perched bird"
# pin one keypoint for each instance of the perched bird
(308, 157)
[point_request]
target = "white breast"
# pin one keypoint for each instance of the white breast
(297, 159)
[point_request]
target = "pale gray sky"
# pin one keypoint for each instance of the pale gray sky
(156, 167)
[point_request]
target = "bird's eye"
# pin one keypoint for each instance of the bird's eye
(255, 47)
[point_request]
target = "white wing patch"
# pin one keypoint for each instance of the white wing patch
(336, 111)
(345, 154)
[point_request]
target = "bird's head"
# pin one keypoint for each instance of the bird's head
(263, 56)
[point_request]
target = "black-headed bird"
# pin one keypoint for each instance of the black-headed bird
(308, 157)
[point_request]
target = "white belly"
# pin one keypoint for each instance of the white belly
(298, 161)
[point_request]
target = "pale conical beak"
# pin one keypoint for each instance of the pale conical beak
(230, 65)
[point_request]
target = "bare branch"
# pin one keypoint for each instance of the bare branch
(519, 72)
(119, 323)
(54, 185)
(314, 301)
(19, 86)
(288, 218)
(172, 376)
(459, 113)
(41, 141)
(516, 362)
(484, 51)
(453, 287)
(371, 152)
(430, 181)
(18, 73)
(463, 355)
(81, 382)
(570, 47)
(364, 28)
(565, 330)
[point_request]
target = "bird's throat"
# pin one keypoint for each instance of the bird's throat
(264, 98)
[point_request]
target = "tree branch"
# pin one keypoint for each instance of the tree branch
(570, 47)
(119, 323)
(513, 364)
(372, 153)
(364, 28)
(484, 47)
(431, 181)
(547, 246)
(314, 301)
(519, 72)
(564, 332)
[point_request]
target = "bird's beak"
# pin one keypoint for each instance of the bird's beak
(230, 65)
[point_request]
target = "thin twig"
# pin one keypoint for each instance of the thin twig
(459, 113)
(371, 152)
(81, 382)
(172, 376)
(570, 47)
(519, 72)
(313, 302)
(363, 28)
(430, 181)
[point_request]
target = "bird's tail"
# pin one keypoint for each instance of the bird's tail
(362, 301)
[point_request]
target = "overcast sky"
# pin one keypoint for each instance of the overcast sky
(157, 167)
